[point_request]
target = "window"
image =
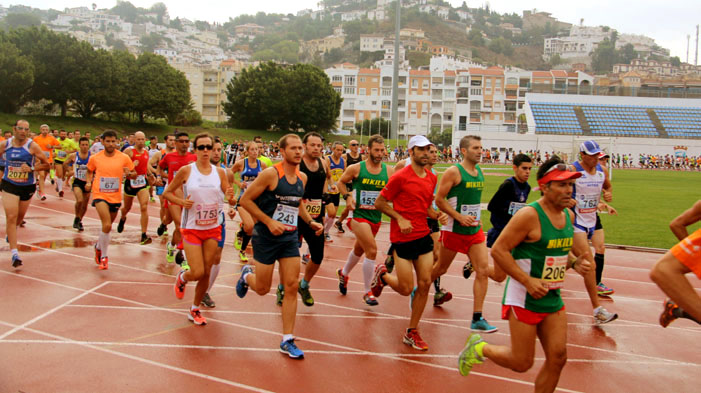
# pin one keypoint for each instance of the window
(349, 90)
(476, 92)
(374, 91)
(425, 84)
(488, 82)
(414, 83)
(488, 104)
(498, 83)
(338, 89)
(374, 79)
(497, 105)
(361, 91)
(374, 103)
(362, 79)
(476, 82)
(350, 80)
(413, 106)
(386, 92)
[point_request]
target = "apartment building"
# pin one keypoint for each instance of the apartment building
(208, 86)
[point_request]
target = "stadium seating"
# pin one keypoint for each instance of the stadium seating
(681, 122)
(555, 119)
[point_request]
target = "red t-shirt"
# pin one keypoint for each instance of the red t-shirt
(172, 162)
(411, 196)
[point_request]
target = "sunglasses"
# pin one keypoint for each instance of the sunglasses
(559, 167)
(183, 140)
(204, 147)
(354, 144)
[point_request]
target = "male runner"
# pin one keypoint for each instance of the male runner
(275, 201)
(154, 160)
(533, 250)
(47, 143)
(459, 196)
(411, 192)
(261, 152)
(171, 163)
(368, 177)
(80, 160)
(585, 200)
(336, 165)
(352, 157)
(97, 145)
(510, 197)
(317, 174)
(18, 183)
(137, 188)
(104, 179)
(598, 238)
(66, 146)
(668, 273)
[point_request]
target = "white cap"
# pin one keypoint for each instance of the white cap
(419, 140)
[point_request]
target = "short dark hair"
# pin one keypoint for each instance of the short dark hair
(336, 143)
(257, 138)
(465, 141)
(152, 137)
(201, 136)
(283, 140)
(311, 134)
(84, 139)
(520, 159)
(179, 134)
(165, 138)
(375, 138)
(109, 133)
(551, 162)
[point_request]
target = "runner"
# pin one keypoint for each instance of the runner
(152, 150)
(336, 165)
(274, 199)
(137, 188)
(105, 172)
(215, 159)
(533, 250)
(171, 163)
(248, 168)
(318, 175)
(598, 238)
(66, 146)
(511, 196)
(459, 196)
(202, 188)
(585, 199)
(79, 160)
(97, 145)
(261, 152)
(18, 183)
(160, 184)
(411, 191)
(368, 177)
(669, 272)
(352, 157)
(47, 143)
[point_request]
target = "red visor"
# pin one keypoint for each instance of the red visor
(558, 175)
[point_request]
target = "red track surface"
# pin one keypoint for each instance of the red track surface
(67, 326)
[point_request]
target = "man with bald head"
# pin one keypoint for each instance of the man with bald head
(137, 188)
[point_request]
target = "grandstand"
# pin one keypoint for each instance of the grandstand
(606, 116)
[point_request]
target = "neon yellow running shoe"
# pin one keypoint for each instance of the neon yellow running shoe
(468, 356)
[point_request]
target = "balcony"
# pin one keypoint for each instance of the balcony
(462, 127)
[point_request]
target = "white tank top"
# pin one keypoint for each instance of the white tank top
(587, 193)
(207, 197)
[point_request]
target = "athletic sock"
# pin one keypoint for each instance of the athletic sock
(287, 337)
(304, 284)
(182, 276)
(680, 313)
(212, 276)
(479, 348)
(328, 224)
(437, 284)
(599, 259)
(104, 241)
(350, 263)
(476, 316)
(59, 183)
(14, 252)
(244, 242)
(368, 270)
(193, 307)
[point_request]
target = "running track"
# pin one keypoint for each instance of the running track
(67, 326)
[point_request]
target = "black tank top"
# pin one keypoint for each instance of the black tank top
(284, 194)
(350, 160)
(315, 180)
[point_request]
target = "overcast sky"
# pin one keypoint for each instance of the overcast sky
(668, 22)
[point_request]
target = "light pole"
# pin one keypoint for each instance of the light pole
(395, 74)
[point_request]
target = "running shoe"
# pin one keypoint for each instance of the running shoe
(327, 238)
(98, 255)
(243, 257)
(370, 300)
(152, 199)
(442, 296)
(339, 226)
(412, 339)
(75, 223)
(306, 258)
(16, 261)
(180, 257)
(207, 301)
(145, 239)
(184, 265)
(196, 317)
(170, 255)
(342, 282)
(41, 196)
(120, 226)
(241, 284)
(180, 285)
(482, 326)
(603, 290)
(468, 356)
(377, 285)
(279, 295)
(667, 315)
(80, 226)
(21, 224)
(60, 194)
(291, 349)
(307, 298)
(467, 270)
(389, 263)
(239, 240)
(604, 316)
(161, 229)
(104, 261)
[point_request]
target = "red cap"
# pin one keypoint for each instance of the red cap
(558, 172)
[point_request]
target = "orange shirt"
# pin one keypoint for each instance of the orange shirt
(108, 175)
(45, 143)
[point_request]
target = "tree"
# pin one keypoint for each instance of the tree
(604, 57)
(157, 89)
(16, 77)
(441, 139)
(375, 126)
(160, 10)
(176, 24)
(14, 21)
(555, 60)
(103, 84)
(126, 10)
(675, 61)
(627, 53)
(475, 36)
(150, 41)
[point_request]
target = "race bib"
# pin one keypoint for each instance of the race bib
(514, 207)
(587, 203)
(472, 210)
(554, 271)
(62, 154)
(109, 184)
(313, 207)
(287, 215)
(17, 175)
(81, 172)
(206, 214)
(47, 154)
(367, 199)
(139, 182)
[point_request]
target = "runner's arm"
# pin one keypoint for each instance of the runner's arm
(226, 186)
(350, 174)
(266, 180)
(177, 184)
(69, 161)
(450, 179)
(607, 188)
(690, 216)
(39, 155)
